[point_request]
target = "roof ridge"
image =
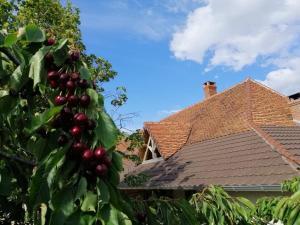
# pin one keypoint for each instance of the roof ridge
(265, 86)
(205, 100)
(275, 144)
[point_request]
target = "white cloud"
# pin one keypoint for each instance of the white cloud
(235, 33)
(286, 79)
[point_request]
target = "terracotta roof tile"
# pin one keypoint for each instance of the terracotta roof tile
(228, 112)
(169, 136)
(242, 136)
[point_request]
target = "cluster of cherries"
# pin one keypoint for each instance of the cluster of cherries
(76, 124)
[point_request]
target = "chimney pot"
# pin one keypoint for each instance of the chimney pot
(210, 89)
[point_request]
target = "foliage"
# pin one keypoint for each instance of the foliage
(62, 189)
(265, 208)
(136, 180)
(288, 209)
(292, 185)
(59, 22)
(214, 206)
(164, 211)
(135, 140)
(7, 18)
(121, 97)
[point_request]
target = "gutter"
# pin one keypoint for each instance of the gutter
(274, 187)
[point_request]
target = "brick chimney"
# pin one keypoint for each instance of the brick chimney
(210, 89)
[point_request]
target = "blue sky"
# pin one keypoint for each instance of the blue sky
(164, 50)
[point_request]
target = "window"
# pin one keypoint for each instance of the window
(152, 154)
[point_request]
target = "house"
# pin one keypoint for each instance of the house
(246, 139)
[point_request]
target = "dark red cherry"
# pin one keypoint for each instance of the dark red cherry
(75, 56)
(81, 119)
(73, 100)
(74, 76)
(83, 83)
(52, 75)
(87, 156)
(101, 170)
(78, 148)
(63, 78)
(70, 85)
(53, 84)
(107, 161)
(49, 59)
(60, 100)
(50, 41)
(75, 131)
(99, 153)
(66, 113)
(85, 100)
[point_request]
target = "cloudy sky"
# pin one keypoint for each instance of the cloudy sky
(164, 50)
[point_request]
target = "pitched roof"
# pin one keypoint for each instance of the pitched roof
(239, 160)
(229, 112)
(168, 136)
(242, 137)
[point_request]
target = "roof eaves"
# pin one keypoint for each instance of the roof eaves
(236, 188)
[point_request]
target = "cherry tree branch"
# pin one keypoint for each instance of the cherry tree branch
(17, 159)
(10, 56)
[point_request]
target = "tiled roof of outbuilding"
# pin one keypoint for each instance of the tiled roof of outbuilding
(242, 159)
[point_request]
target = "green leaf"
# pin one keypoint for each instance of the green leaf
(247, 203)
(96, 105)
(96, 98)
(106, 131)
(18, 78)
(63, 202)
(38, 189)
(37, 147)
(53, 165)
(87, 219)
(108, 215)
(74, 219)
(82, 188)
(57, 217)
(37, 70)
(117, 159)
(42, 118)
(10, 40)
(85, 73)
(7, 104)
(113, 174)
(103, 192)
(34, 33)
(6, 184)
(188, 212)
(89, 203)
(60, 52)
(3, 93)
